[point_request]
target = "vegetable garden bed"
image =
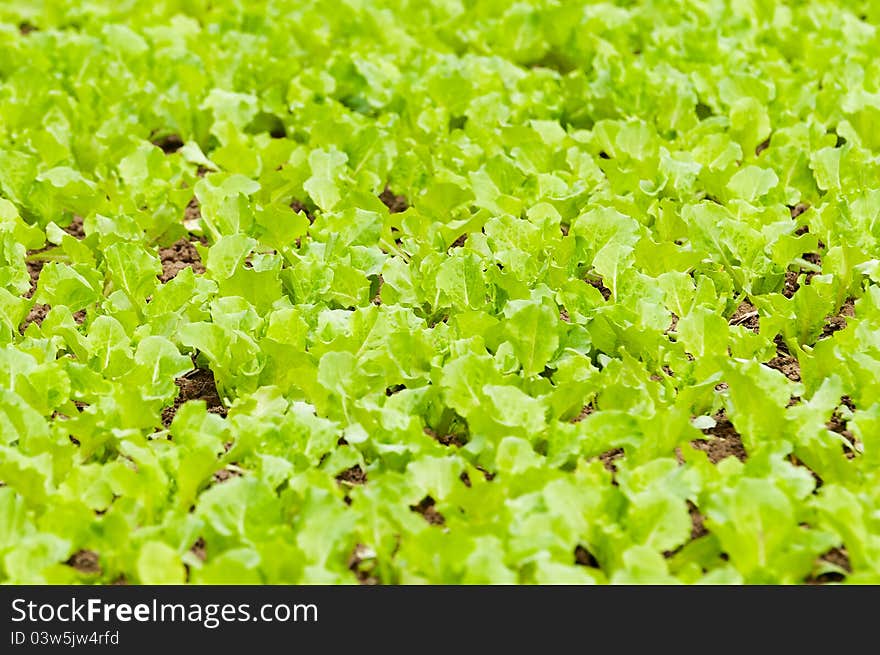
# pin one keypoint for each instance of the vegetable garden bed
(387, 291)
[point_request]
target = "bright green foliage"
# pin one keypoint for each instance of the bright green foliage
(617, 219)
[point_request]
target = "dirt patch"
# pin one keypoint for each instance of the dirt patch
(746, 314)
(790, 287)
(85, 561)
(586, 410)
(787, 365)
(798, 209)
(784, 362)
(761, 147)
(583, 557)
(724, 440)
(428, 511)
(486, 474)
(226, 474)
(177, 257)
(199, 549)
(459, 242)
(698, 529)
(673, 324)
(837, 323)
(813, 257)
(34, 269)
(465, 478)
(193, 211)
(395, 203)
(377, 297)
(353, 476)
(76, 229)
(563, 315)
(597, 283)
(609, 459)
(299, 207)
(26, 28)
(198, 384)
(36, 315)
(838, 424)
(836, 556)
(451, 439)
(169, 143)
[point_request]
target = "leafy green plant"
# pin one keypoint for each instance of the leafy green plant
(408, 292)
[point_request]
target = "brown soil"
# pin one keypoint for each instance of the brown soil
(725, 440)
(598, 284)
(459, 242)
(747, 316)
(353, 476)
(34, 270)
(838, 424)
(428, 511)
(298, 207)
(586, 410)
(583, 557)
(36, 315)
(85, 561)
(394, 202)
(838, 557)
(798, 209)
(762, 146)
(168, 143)
(609, 457)
(199, 549)
(791, 284)
(26, 28)
(697, 519)
(563, 315)
(177, 257)
(787, 365)
(784, 362)
(486, 474)
(451, 439)
(377, 297)
(193, 210)
(225, 474)
(75, 229)
(198, 384)
(465, 478)
(836, 323)
(813, 257)
(673, 324)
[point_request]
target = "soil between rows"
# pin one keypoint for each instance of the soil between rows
(199, 384)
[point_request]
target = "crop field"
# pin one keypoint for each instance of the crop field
(448, 291)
